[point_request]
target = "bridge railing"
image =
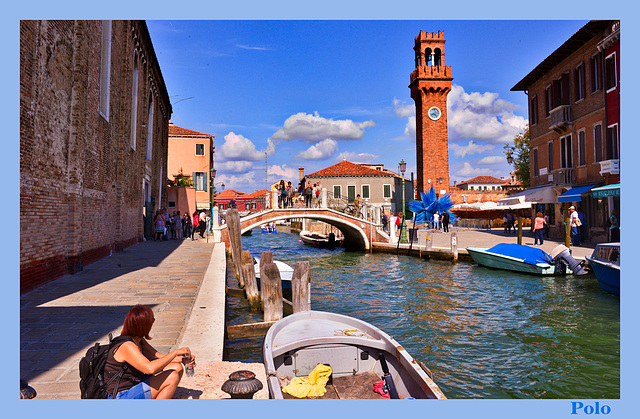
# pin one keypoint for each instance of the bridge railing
(338, 203)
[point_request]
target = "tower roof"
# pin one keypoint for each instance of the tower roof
(176, 131)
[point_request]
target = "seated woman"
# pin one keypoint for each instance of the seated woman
(149, 374)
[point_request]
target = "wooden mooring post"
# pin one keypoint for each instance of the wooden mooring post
(250, 281)
(271, 290)
(301, 287)
(454, 246)
(235, 242)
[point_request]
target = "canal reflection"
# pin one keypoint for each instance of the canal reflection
(483, 333)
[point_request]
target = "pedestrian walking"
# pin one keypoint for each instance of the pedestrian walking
(445, 221)
(574, 223)
(177, 223)
(538, 229)
(614, 229)
(195, 223)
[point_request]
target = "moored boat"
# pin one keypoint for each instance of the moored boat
(359, 355)
(527, 259)
(605, 262)
(286, 272)
(320, 240)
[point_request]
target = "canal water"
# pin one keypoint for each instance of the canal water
(484, 333)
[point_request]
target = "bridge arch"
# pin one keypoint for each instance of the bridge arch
(355, 230)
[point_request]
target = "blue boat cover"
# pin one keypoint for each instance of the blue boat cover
(529, 254)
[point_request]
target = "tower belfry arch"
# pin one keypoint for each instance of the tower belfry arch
(430, 85)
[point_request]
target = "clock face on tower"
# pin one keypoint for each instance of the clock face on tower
(434, 113)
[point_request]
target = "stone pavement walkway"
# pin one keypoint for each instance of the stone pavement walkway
(59, 321)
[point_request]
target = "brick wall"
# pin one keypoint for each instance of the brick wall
(80, 179)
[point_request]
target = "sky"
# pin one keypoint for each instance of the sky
(312, 93)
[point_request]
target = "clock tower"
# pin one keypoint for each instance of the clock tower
(430, 85)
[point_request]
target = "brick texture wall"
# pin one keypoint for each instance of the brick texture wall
(80, 179)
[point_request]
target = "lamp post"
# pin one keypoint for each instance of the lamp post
(510, 161)
(403, 228)
(213, 180)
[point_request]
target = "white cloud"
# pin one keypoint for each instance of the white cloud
(468, 172)
(236, 182)
(283, 171)
(492, 160)
(482, 117)
(402, 110)
(236, 147)
(240, 166)
(314, 128)
(324, 149)
(470, 148)
(357, 157)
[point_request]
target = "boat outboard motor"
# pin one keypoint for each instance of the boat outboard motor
(561, 254)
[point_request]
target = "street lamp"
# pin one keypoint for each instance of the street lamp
(403, 228)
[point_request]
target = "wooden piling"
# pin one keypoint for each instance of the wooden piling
(235, 242)
(250, 281)
(265, 257)
(271, 287)
(301, 287)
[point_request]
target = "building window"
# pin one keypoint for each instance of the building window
(386, 191)
(365, 191)
(610, 81)
(597, 143)
(550, 155)
(172, 204)
(582, 148)
(579, 82)
(105, 68)
(534, 162)
(612, 142)
(533, 110)
(547, 101)
(596, 73)
(565, 152)
(351, 192)
(199, 149)
(150, 127)
(337, 191)
(200, 181)
(134, 101)
(560, 91)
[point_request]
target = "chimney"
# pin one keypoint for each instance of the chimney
(454, 183)
(301, 173)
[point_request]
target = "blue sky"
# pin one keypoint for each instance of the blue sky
(310, 93)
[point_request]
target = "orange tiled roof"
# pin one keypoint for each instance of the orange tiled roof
(229, 193)
(483, 179)
(346, 168)
(176, 131)
(260, 193)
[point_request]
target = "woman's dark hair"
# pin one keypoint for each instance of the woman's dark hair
(138, 322)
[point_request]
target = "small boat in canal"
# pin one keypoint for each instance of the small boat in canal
(363, 361)
(605, 262)
(321, 240)
(286, 272)
(527, 259)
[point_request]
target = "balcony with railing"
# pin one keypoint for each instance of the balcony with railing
(563, 176)
(561, 119)
(611, 167)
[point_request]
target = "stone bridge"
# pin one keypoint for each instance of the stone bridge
(358, 233)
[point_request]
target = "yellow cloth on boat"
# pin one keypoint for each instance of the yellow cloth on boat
(311, 386)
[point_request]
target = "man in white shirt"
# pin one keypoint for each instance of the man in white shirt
(574, 223)
(436, 221)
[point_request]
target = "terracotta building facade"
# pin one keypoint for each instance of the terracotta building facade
(574, 124)
(191, 155)
(94, 114)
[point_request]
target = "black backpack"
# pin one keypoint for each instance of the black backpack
(92, 383)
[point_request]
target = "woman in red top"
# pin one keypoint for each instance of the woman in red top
(538, 228)
(195, 224)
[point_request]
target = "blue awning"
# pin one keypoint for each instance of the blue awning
(574, 194)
